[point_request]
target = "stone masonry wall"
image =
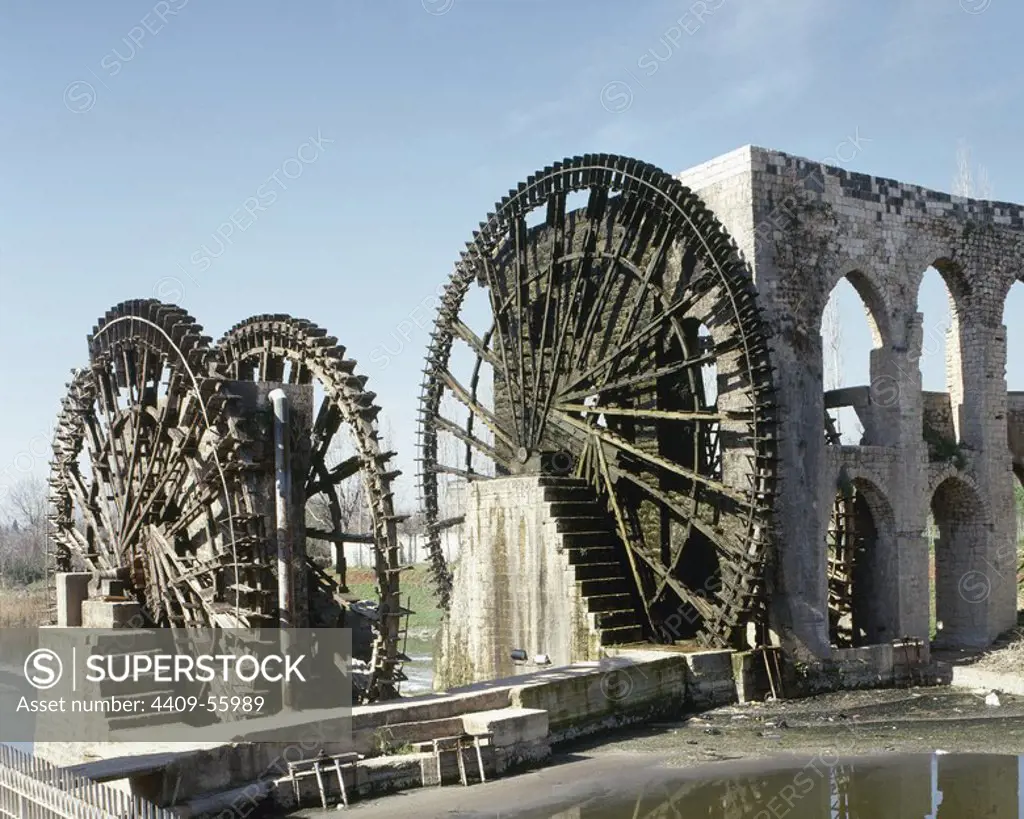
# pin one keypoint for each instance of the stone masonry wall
(514, 588)
(801, 227)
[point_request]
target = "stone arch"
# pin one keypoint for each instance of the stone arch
(937, 349)
(1012, 303)
(952, 471)
(863, 588)
(961, 583)
(957, 284)
(862, 276)
(1004, 282)
(848, 395)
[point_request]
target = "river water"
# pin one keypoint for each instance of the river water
(632, 786)
(914, 787)
(420, 668)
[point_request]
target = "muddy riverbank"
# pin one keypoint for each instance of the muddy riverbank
(823, 729)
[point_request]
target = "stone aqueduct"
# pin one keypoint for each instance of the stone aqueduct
(802, 227)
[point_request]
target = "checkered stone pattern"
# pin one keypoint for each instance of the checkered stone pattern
(801, 226)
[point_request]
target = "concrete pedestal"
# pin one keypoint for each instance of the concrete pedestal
(514, 588)
(72, 591)
(103, 614)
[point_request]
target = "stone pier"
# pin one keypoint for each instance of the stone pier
(515, 590)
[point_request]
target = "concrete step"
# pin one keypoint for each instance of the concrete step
(577, 508)
(592, 554)
(561, 480)
(146, 719)
(598, 571)
(612, 585)
(609, 602)
(575, 540)
(148, 686)
(395, 735)
(584, 523)
(565, 494)
(618, 618)
(622, 635)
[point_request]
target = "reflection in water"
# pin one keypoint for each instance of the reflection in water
(910, 787)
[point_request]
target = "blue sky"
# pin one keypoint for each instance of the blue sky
(132, 131)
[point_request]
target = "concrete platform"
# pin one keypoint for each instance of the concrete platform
(526, 716)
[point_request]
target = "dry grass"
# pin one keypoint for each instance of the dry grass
(1007, 658)
(22, 608)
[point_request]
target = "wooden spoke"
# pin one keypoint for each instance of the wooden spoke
(669, 415)
(646, 377)
(333, 476)
(479, 345)
(621, 444)
(448, 523)
(485, 415)
(653, 327)
(340, 537)
(451, 427)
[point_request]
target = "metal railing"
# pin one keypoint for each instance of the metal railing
(31, 788)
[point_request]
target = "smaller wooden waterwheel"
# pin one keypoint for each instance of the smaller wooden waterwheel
(282, 349)
(152, 483)
(141, 482)
(844, 542)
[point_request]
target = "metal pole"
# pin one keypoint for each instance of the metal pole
(283, 499)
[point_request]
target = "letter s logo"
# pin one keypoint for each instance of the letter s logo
(39, 669)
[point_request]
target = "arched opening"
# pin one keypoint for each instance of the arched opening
(961, 586)
(1018, 498)
(861, 544)
(939, 358)
(1013, 309)
(849, 330)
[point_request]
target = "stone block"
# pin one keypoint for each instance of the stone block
(521, 754)
(710, 663)
(586, 698)
(510, 726)
(72, 590)
(104, 614)
(514, 588)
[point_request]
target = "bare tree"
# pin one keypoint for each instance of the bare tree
(27, 501)
(353, 509)
(23, 533)
(970, 180)
(832, 343)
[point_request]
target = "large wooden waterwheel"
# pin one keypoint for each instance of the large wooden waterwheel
(611, 295)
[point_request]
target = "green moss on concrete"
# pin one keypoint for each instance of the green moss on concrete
(502, 587)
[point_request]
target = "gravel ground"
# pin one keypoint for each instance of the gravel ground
(916, 720)
(1006, 658)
